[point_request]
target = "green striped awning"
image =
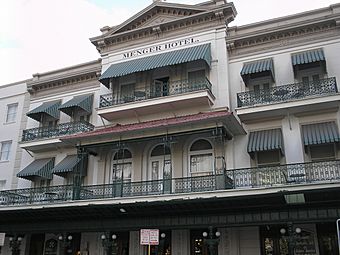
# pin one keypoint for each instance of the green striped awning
(264, 65)
(83, 102)
(38, 168)
(307, 57)
(190, 54)
(265, 140)
(49, 108)
(320, 133)
(67, 165)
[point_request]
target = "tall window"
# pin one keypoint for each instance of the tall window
(322, 152)
(122, 166)
(11, 112)
(5, 150)
(201, 158)
(2, 184)
(160, 162)
(127, 92)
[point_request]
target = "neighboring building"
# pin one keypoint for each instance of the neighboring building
(189, 126)
(14, 101)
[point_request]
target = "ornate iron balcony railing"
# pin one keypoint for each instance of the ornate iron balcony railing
(287, 93)
(245, 178)
(167, 89)
(56, 131)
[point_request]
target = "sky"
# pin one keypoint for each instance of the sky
(42, 35)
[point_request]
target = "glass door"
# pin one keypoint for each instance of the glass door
(160, 173)
(160, 87)
(122, 178)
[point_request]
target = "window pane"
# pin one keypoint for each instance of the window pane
(2, 184)
(155, 170)
(5, 151)
(268, 157)
(122, 170)
(196, 75)
(123, 154)
(316, 77)
(11, 112)
(160, 150)
(324, 151)
(201, 145)
(201, 163)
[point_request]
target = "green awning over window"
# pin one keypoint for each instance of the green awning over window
(264, 65)
(189, 54)
(307, 57)
(265, 140)
(320, 133)
(67, 165)
(38, 168)
(49, 108)
(83, 102)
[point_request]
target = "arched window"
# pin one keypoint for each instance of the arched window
(160, 162)
(201, 158)
(122, 166)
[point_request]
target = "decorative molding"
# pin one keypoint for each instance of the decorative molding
(282, 39)
(69, 76)
(65, 82)
(165, 20)
(167, 30)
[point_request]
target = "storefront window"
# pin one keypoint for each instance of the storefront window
(196, 242)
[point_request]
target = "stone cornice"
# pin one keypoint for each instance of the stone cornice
(214, 16)
(282, 32)
(65, 77)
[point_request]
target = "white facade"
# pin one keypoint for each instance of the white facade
(14, 101)
(170, 130)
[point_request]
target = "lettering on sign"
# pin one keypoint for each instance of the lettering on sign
(149, 236)
(161, 47)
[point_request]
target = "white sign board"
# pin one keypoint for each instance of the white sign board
(2, 239)
(149, 236)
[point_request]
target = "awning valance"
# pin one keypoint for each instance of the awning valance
(83, 102)
(265, 140)
(38, 168)
(320, 133)
(190, 54)
(67, 165)
(264, 65)
(307, 57)
(49, 108)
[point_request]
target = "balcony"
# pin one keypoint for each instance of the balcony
(183, 93)
(45, 138)
(246, 179)
(287, 93)
(56, 131)
(297, 97)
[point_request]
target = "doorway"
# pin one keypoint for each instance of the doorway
(160, 87)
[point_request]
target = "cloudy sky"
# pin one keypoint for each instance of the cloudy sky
(41, 35)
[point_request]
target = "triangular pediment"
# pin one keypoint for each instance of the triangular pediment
(156, 14)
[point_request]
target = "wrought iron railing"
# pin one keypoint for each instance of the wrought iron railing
(245, 178)
(56, 131)
(167, 89)
(287, 93)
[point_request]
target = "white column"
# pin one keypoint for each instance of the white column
(134, 244)
(225, 242)
(180, 242)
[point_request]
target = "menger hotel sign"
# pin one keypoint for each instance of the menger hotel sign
(161, 47)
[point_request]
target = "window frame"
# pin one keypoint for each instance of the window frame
(13, 120)
(312, 159)
(273, 163)
(3, 152)
(121, 162)
(201, 153)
